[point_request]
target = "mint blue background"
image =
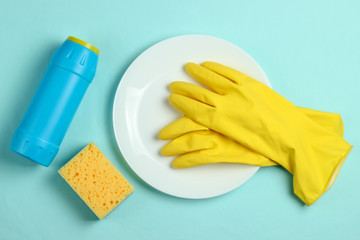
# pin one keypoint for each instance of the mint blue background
(309, 49)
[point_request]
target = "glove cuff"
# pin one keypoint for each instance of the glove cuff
(317, 181)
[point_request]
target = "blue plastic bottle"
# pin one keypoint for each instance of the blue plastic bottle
(43, 127)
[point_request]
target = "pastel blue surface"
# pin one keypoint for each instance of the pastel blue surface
(309, 49)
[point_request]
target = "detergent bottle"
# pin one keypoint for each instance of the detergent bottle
(43, 127)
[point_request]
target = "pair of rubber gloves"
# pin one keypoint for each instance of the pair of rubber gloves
(237, 119)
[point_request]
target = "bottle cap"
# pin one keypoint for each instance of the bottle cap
(83, 43)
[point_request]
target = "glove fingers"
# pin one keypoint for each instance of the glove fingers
(180, 127)
(195, 92)
(203, 147)
(193, 159)
(191, 108)
(183, 125)
(190, 142)
(208, 78)
(229, 73)
(202, 157)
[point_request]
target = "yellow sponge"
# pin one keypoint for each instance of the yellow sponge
(93, 177)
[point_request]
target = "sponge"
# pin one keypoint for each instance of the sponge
(93, 177)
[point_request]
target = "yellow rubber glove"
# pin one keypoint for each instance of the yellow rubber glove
(199, 145)
(260, 119)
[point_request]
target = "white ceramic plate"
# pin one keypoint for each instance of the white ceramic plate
(141, 109)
